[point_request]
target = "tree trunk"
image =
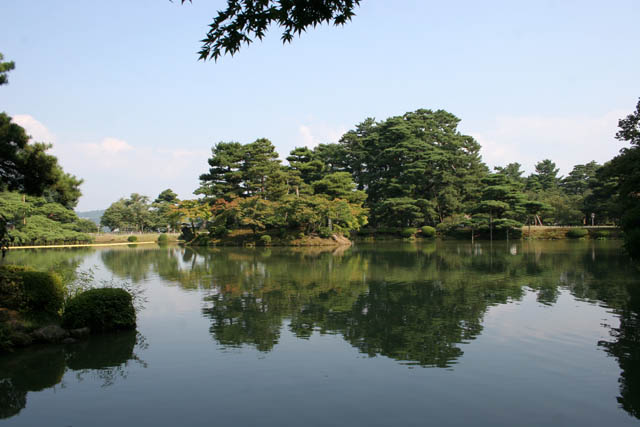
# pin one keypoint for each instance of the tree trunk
(490, 226)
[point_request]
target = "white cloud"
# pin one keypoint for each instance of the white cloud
(34, 128)
(108, 146)
(114, 168)
(319, 133)
(565, 140)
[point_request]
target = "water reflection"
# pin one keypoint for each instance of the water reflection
(417, 303)
(104, 357)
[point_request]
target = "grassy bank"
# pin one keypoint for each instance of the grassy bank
(558, 233)
(288, 238)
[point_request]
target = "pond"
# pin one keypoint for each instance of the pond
(438, 333)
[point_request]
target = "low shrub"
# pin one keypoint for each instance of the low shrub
(186, 234)
(103, 309)
(388, 230)
(428, 232)
(408, 232)
(11, 289)
(218, 231)
(162, 239)
(324, 232)
(44, 292)
(27, 290)
(265, 240)
(577, 233)
(599, 234)
(132, 239)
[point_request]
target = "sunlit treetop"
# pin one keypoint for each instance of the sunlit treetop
(244, 20)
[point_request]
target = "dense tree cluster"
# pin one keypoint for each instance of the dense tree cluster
(137, 213)
(36, 221)
(246, 186)
(616, 191)
(403, 172)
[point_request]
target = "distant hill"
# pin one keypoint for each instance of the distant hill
(92, 215)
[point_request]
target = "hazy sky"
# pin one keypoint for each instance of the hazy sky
(117, 88)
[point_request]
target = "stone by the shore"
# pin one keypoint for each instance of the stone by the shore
(50, 333)
(20, 339)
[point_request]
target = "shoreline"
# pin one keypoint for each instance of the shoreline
(80, 245)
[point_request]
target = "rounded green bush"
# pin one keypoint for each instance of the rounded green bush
(218, 231)
(11, 290)
(324, 232)
(428, 232)
(577, 233)
(24, 289)
(44, 291)
(101, 310)
(162, 239)
(599, 234)
(266, 240)
(408, 232)
(132, 239)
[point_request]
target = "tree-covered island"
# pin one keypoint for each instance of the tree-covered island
(403, 176)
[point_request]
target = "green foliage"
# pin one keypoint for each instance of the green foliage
(132, 239)
(83, 225)
(26, 167)
(599, 234)
(577, 233)
(408, 232)
(416, 168)
(324, 232)
(265, 239)
(44, 292)
(102, 310)
(163, 239)
(11, 287)
(26, 290)
(38, 222)
(243, 21)
(5, 67)
(428, 232)
(218, 231)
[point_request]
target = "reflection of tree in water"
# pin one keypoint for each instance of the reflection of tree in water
(411, 302)
(431, 300)
(626, 348)
(36, 369)
(62, 261)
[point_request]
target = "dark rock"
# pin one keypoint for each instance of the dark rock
(68, 341)
(20, 339)
(50, 333)
(17, 325)
(80, 332)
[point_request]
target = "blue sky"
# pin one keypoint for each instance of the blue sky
(117, 88)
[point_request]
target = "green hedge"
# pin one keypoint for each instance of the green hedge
(408, 232)
(132, 239)
(577, 233)
(428, 232)
(27, 290)
(265, 240)
(101, 310)
(599, 234)
(162, 239)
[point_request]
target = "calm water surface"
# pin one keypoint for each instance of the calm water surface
(444, 333)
